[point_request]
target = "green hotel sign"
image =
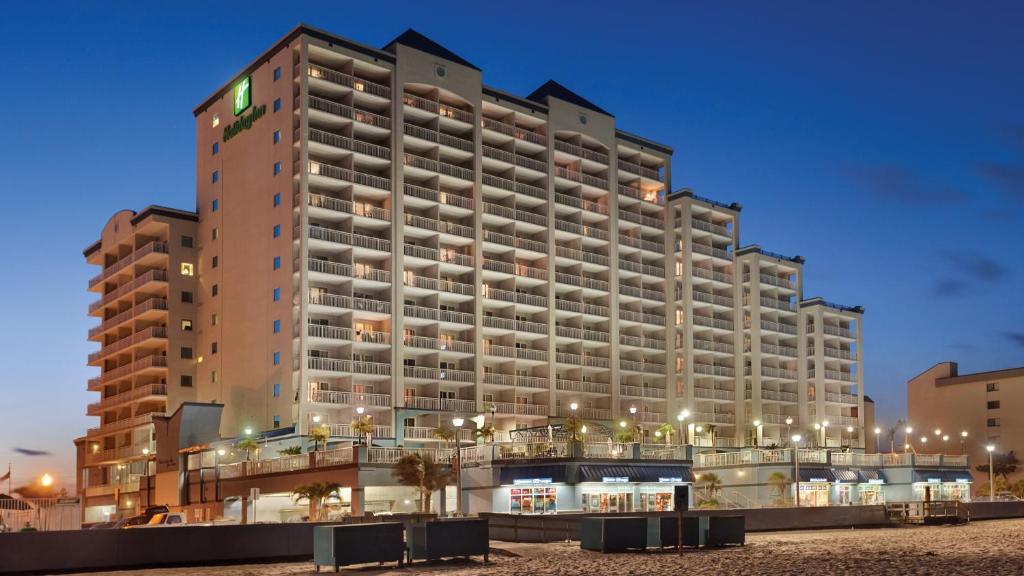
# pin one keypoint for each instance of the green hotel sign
(241, 94)
(241, 98)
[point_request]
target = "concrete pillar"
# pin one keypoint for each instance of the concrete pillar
(358, 500)
(245, 510)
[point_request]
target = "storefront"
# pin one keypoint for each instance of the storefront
(816, 486)
(942, 485)
(845, 486)
(533, 490)
(533, 496)
(870, 489)
(630, 488)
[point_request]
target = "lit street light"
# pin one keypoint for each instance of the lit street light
(991, 474)
(682, 428)
(796, 463)
(46, 480)
(963, 442)
(457, 422)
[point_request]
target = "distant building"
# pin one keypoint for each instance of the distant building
(985, 405)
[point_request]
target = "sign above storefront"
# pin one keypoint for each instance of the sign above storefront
(670, 480)
(876, 481)
(530, 481)
(614, 479)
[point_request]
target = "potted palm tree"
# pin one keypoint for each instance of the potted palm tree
(247, 444)
(363, 428)
(320, 434)
(446, 433)
(485, 433)
(666, 431)
(422, 474)
(316, 494)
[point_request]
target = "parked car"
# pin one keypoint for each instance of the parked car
(162, 520)
(141, 519)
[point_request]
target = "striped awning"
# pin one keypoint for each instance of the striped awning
(873, 476)
(635, 473)
(540, 474)
(816, 475)
(960, 476)
(846, 475)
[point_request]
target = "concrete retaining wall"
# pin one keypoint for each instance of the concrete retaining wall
(995, 510)
(559, 527)
(82, 550)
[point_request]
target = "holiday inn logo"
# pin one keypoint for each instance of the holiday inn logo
(242, 94)
(241, 100)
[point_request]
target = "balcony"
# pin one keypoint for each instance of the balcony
(841, 398)
(712, 322)
(581, 177)
(446, 256)
(710, 227)
(345, 143)
(640, 170)
(354, 82)
(709, 250)
(774, 396)
(584, 387)
(332, 332)
(641, 219)
(125, 289)
(445, 374)
(834, 353)
(343, 111)
(645, 293)
(582, 256)
(585, 412)
(513, 186)
(641, 391)
(155, 247)
(581, 152)
(349, 176)
(642, 342)
(778, 304)
(712, 346)
(713, 370)
(157, 332)
(514, 159)
(647, 367)
(342, 397)
(441, 197)
(438, 344)
(642, 317)
(581, 281)
(772, 372)
(439, 108)
(347, 207)
(316, 232)
(582, 230)
(516, 352)
(441, 226)
(582, 360)
(123, 424)
(513, 131)
(439, 137)
(833, 375)
(778, 350)
(714, 417)
(350, 302)
(642, 244)
(776, 281)
(710, 274)
(154, 361)
(95, 408)
(515, 297)
(360, 272)
(566, 200)
(780, 327)
(714, 394)
(438, 167)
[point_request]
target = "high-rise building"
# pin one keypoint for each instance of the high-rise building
(379, 232)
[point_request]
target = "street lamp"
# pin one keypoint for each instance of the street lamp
(46, 480)
(360, 410)
(906, 438)
(682, 428)
(878, 431)
(963, 442)
(757, 431)
(789, 422)
(796, 463)
(573, 406)
(849, 434)
(316, 419)
(457, 422)
(938, 431)
(145, 451)
(248, 431)
(991, 474)
(824, 434)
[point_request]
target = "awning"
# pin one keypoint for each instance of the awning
(533, 474)
(846, 475)
(869, 476)
(933, 476)
(816, 475)
(635, 473)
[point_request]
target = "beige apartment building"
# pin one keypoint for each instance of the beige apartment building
(381, 232)
(985, 405)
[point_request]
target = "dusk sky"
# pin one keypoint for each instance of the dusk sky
(884, 144)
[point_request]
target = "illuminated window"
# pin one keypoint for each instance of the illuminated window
(186, 325)
(187, 269)
(216, 120)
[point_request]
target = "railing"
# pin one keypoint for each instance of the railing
(581, 203)
(514, 131)
(581, 386)
(513, 186)
(778, 304)
(393, 455)
(713, 393)
(347, 207)
(343, 79)
(834, 353)
(779, 350)
(642, 391)
(286, 464)
(708, 250)
(359, 115)
(580, 151)
(710, 227)
(833, 375)
(338, 173)
(609, 450)
(128, 288)
(642, 341)
(712, 346)
(641, 219)
(128, 396)
(437, 166)
(438, 137)
(778, 327)
(150, 248)
(710, 274)
(316, 232)
(122, 424)
(123, 343)
(442, 197)
(113, 321)
(346, 143)
(772, 280)
(581, 177)
(441, 344)
(711, 322)
(345, 431)
(840, 398)
(151, 361)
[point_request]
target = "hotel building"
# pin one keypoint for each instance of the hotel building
(378, 231)
(964, 413)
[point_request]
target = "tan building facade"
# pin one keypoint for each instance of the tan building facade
(985, 405)
(378, 231)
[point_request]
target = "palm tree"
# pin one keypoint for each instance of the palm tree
(891, 433)
(666, 430)
(445, 433)
(247, 444)
(624, 435)
(320, 434)
(362, 426)
(711, 484)
(290, 451)
(315, 493)
(573, 426)
(1002, 465)
(423, 474)
(780, 483)
(485, 432)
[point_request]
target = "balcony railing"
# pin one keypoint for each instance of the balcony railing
(439, 344)
(641, 391)
(428, 373)
(346, 143)
(439, 196)
(582, 386)
(580, 151)
(362, 116)
(439, 137)
(714, 394)
(150, 248)
(514, 131)
(128, 396)
(710, 227)
(123, 343)
(353, 82)
(123, 424)
(128, 288)
(711, 251)
(438, 166)
(338, 173)
(710, 274)
(581, 177)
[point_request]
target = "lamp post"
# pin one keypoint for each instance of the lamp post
(877, 432)
(906, 438)
(796, 464)
(849, 435)
(991, 474)
(457, 422)
(636, 425)
(817, 432)
(789, 422)
(697, 430)
(963, 442)
(824, 434)
(757, 431)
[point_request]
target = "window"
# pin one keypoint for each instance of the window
(277, 105)
(993, 404)
(186, 241)
(213, 262)
(214, 319)
(213, 376)
(277, 326)
(277, 168)
(277, 230)
(215, 290)
(186, 325)
(277, 74)
(277, 358)
(215, 177)
(277, 262)
(215, 233)
(213, 348)
(216, 120)
(216, 148)
(277, 421)
(186, 352)
(277, 199)
(277, 136)
(187, 269)
(993, 422)
(277, 389)
(992, 387)
(186, 381)
(215, 205)
(186, 296)
(277, 294)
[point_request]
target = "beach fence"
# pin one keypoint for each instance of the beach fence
(44, 514)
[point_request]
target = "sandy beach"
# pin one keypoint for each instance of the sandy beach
(987, 548)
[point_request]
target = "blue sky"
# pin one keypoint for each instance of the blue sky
(882, 141)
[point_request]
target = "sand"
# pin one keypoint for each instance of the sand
(990, 548)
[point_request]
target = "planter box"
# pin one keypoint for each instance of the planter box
(613, 534)
(358, 544)
(449, 538)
